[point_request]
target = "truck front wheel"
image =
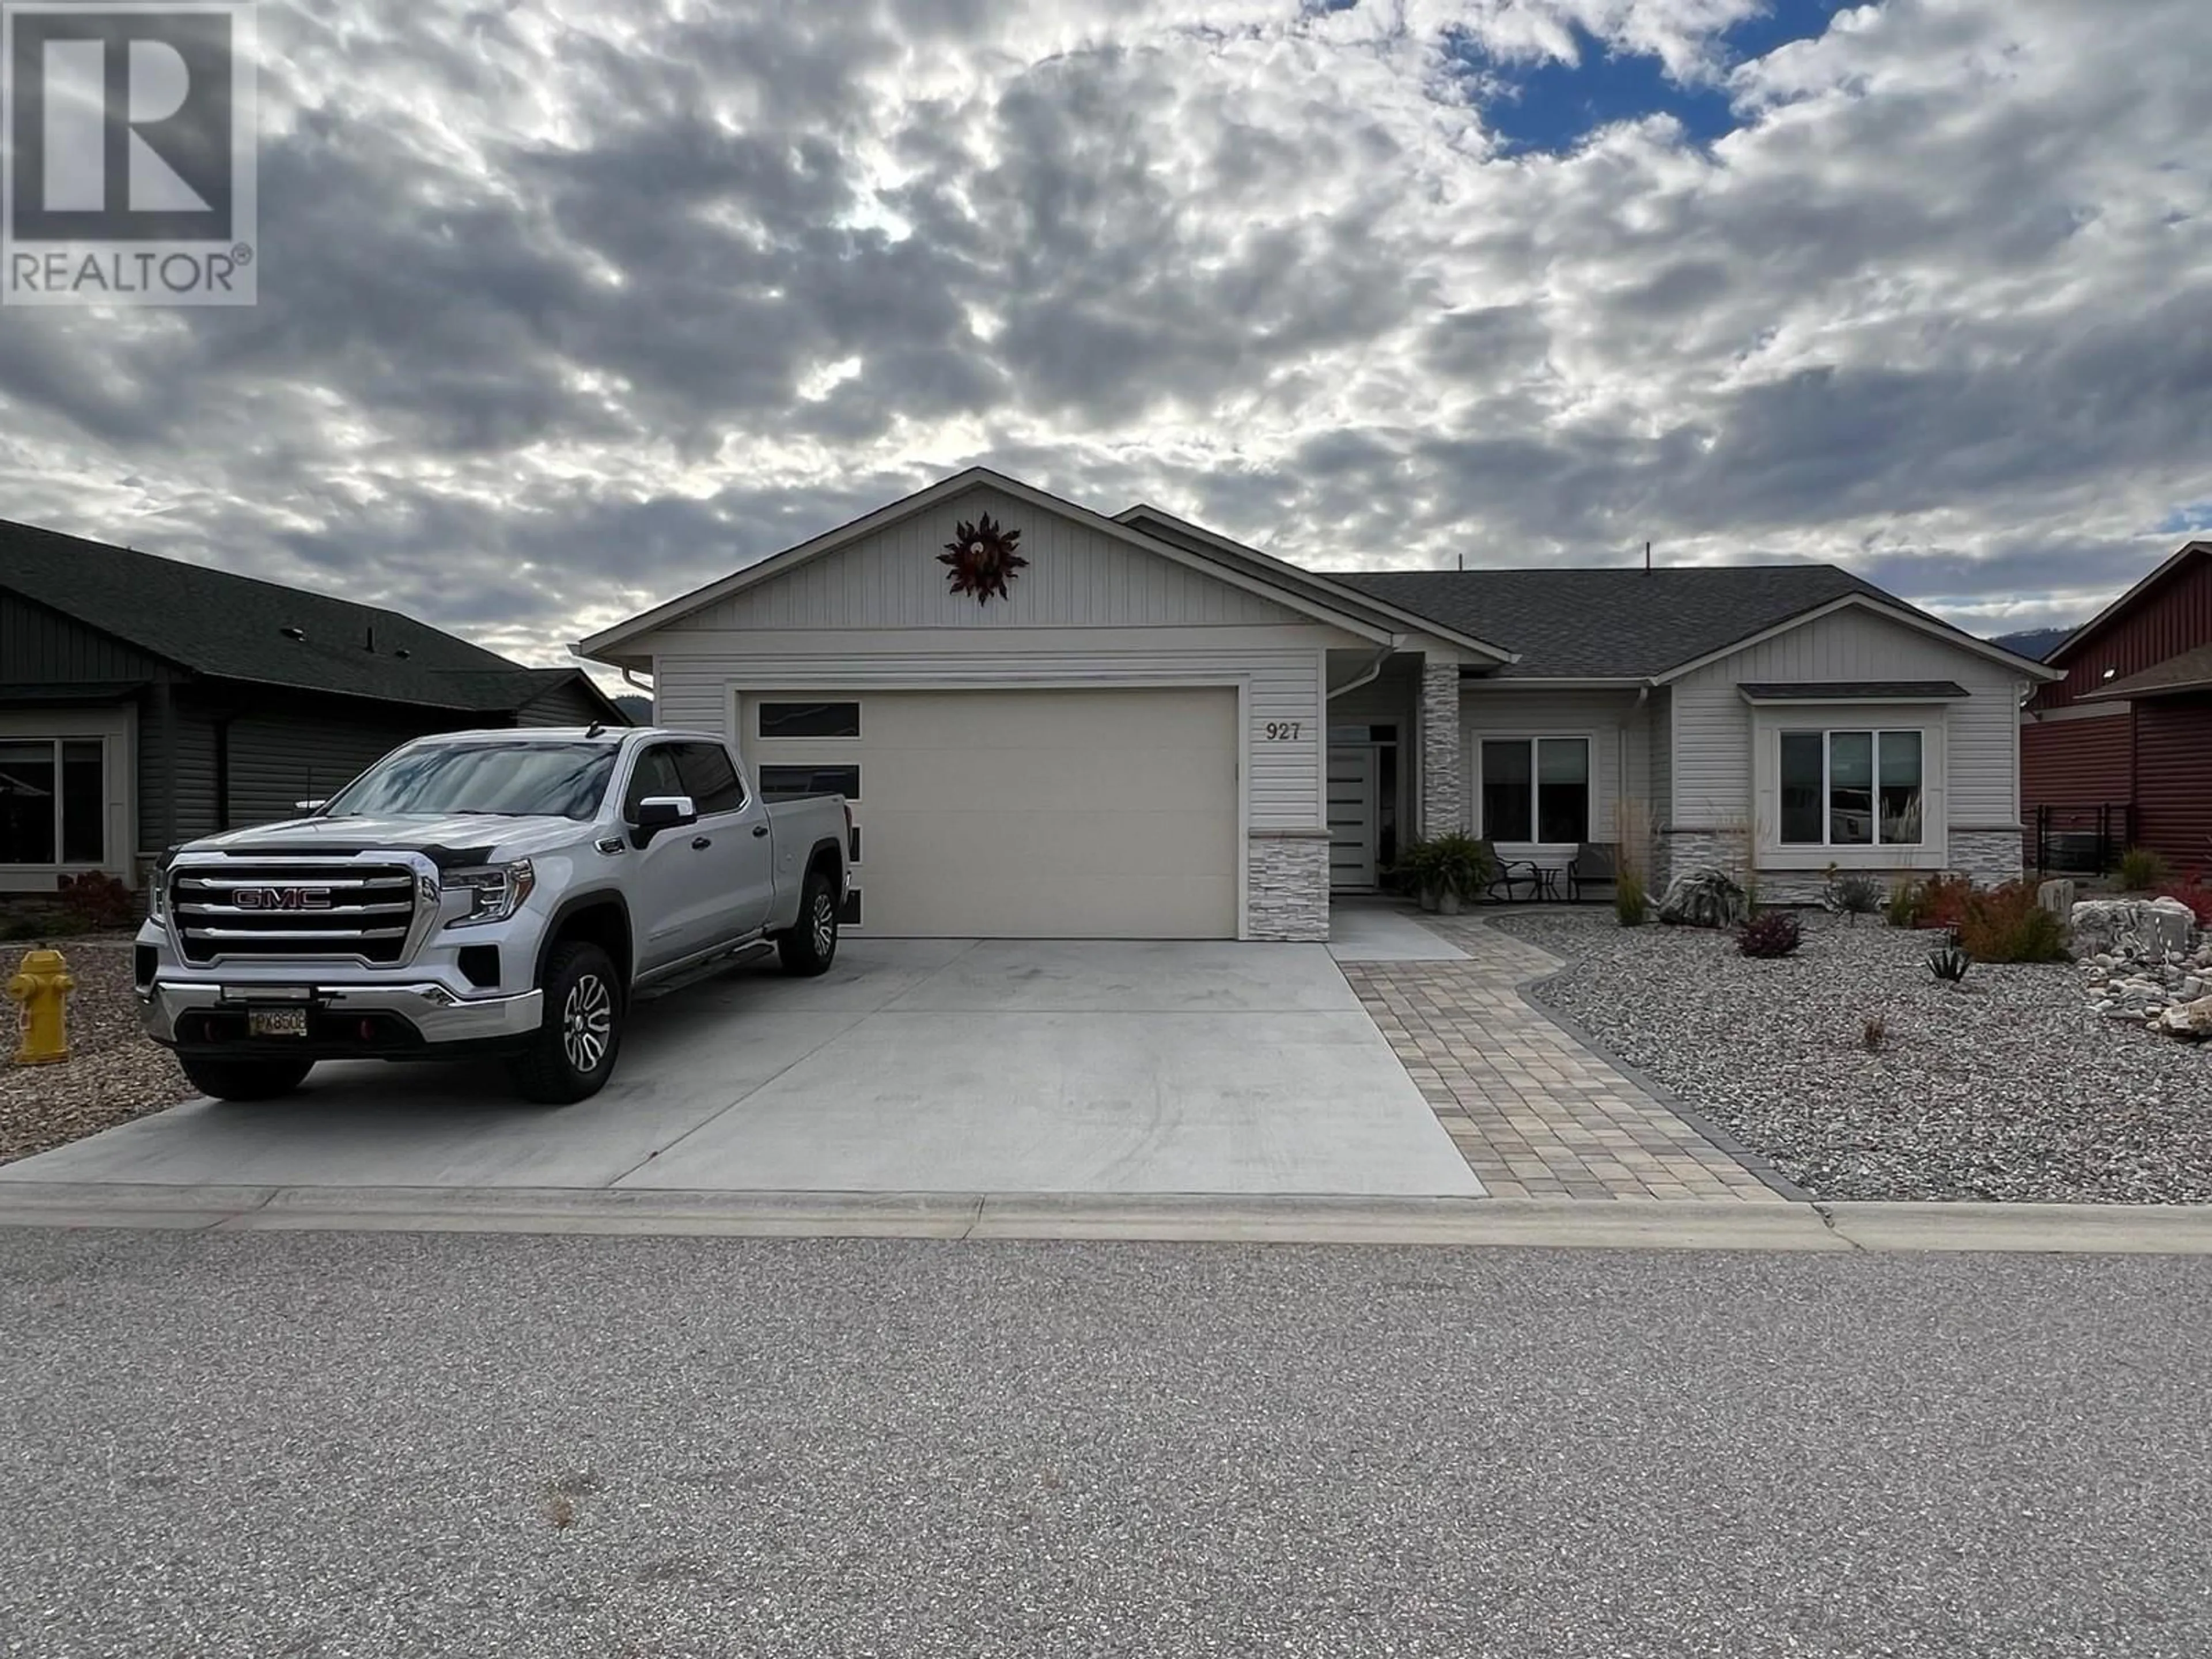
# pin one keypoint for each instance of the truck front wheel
(811, 946)
(572, 1054)
(244, 1080)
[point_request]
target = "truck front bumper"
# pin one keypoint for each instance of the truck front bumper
(369, 1021)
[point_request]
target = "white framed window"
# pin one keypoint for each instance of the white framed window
(53, 802)
(1842, 788)
(1536, 790)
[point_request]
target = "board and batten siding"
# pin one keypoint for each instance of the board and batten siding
(1078, 576)
(1712, 759)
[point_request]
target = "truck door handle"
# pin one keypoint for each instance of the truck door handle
(701, 843)
(759, 830)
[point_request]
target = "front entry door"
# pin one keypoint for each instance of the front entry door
(1353, 798)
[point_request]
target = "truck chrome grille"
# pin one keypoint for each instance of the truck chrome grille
(295, 908)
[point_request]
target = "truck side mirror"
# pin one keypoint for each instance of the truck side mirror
(305, 806)
(657, 812)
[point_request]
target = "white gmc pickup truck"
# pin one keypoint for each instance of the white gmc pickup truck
(507, 892)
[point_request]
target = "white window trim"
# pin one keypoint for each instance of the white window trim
(1474, 808)
(1930, 852)
(1827, 735)
(116, 728)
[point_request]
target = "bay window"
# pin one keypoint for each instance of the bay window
(1851, 788)
(53, 796)
(1536, 789)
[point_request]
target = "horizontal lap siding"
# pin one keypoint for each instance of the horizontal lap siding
(276, 759)
(2077, 763)
(1711, 758)
(2173, 789)
(695, 691)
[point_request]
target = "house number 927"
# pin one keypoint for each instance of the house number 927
(1284, 730)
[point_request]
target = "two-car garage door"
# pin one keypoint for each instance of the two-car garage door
(1039, 814)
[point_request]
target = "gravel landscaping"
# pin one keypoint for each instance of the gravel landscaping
(2007, 1087)
(113, 1074)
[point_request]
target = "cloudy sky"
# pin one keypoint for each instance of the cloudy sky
(567, 307)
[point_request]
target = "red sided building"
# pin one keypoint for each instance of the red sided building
(2119, 753)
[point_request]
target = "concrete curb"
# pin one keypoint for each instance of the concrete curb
(1548, 1224)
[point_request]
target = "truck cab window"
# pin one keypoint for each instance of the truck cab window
(709, 778)
(655, 773)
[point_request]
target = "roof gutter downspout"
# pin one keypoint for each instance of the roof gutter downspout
(1367, 676)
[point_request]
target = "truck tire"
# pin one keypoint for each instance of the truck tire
(810, 944)
(572, 1054)
(244, 1080)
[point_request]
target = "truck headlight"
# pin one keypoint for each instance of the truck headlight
(496, 891)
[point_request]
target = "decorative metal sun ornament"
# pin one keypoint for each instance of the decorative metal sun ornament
(980, 558)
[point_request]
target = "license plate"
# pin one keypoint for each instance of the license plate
(277, 1022)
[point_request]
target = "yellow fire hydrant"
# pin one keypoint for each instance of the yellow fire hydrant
(42, 985)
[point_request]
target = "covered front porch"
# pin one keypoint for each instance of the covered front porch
(1419, 747)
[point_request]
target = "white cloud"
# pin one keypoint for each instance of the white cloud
(634, 294)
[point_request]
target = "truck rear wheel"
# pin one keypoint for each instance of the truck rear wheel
(572, 1054)
(811, 946)
(244, 1080)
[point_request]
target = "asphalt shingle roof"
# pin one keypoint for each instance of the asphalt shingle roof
(2192, 671)
(232, 627)
(1614, 624)
(1850, 690)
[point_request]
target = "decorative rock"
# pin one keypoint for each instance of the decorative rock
(2136, 928)
(2059, 896)
(1703, 898)
(2190, 1021)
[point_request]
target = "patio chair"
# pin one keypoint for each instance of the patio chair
(1593, 861)
(1509, 870)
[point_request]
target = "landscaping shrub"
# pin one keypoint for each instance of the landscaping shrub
(1852, 896)
(2140, 869)
(1770, 934)
(1907, 905)
(1949, 962)
(1631, 905)
(1943, 902)
(2198, 895)
(98, 900)
(2006, 924)
(1874, 1033)
(1459, 865)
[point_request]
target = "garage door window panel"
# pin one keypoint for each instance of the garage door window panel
(809, 720)
(785, 782)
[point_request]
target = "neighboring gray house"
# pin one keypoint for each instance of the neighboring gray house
(144, 701)
(1156, 732)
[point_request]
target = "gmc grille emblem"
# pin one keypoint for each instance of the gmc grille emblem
(283, 898)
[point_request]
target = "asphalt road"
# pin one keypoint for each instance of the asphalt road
(283, 1444)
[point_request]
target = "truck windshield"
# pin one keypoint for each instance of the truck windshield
(512, 780)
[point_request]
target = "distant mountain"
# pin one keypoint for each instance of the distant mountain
(640, 709)
(2036, 642)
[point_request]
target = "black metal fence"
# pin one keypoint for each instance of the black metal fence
(2083, 840)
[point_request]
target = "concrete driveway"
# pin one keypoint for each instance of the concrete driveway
(914, 1066)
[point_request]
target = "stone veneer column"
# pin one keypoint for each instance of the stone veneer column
(1442, 793)
(1287, 893)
